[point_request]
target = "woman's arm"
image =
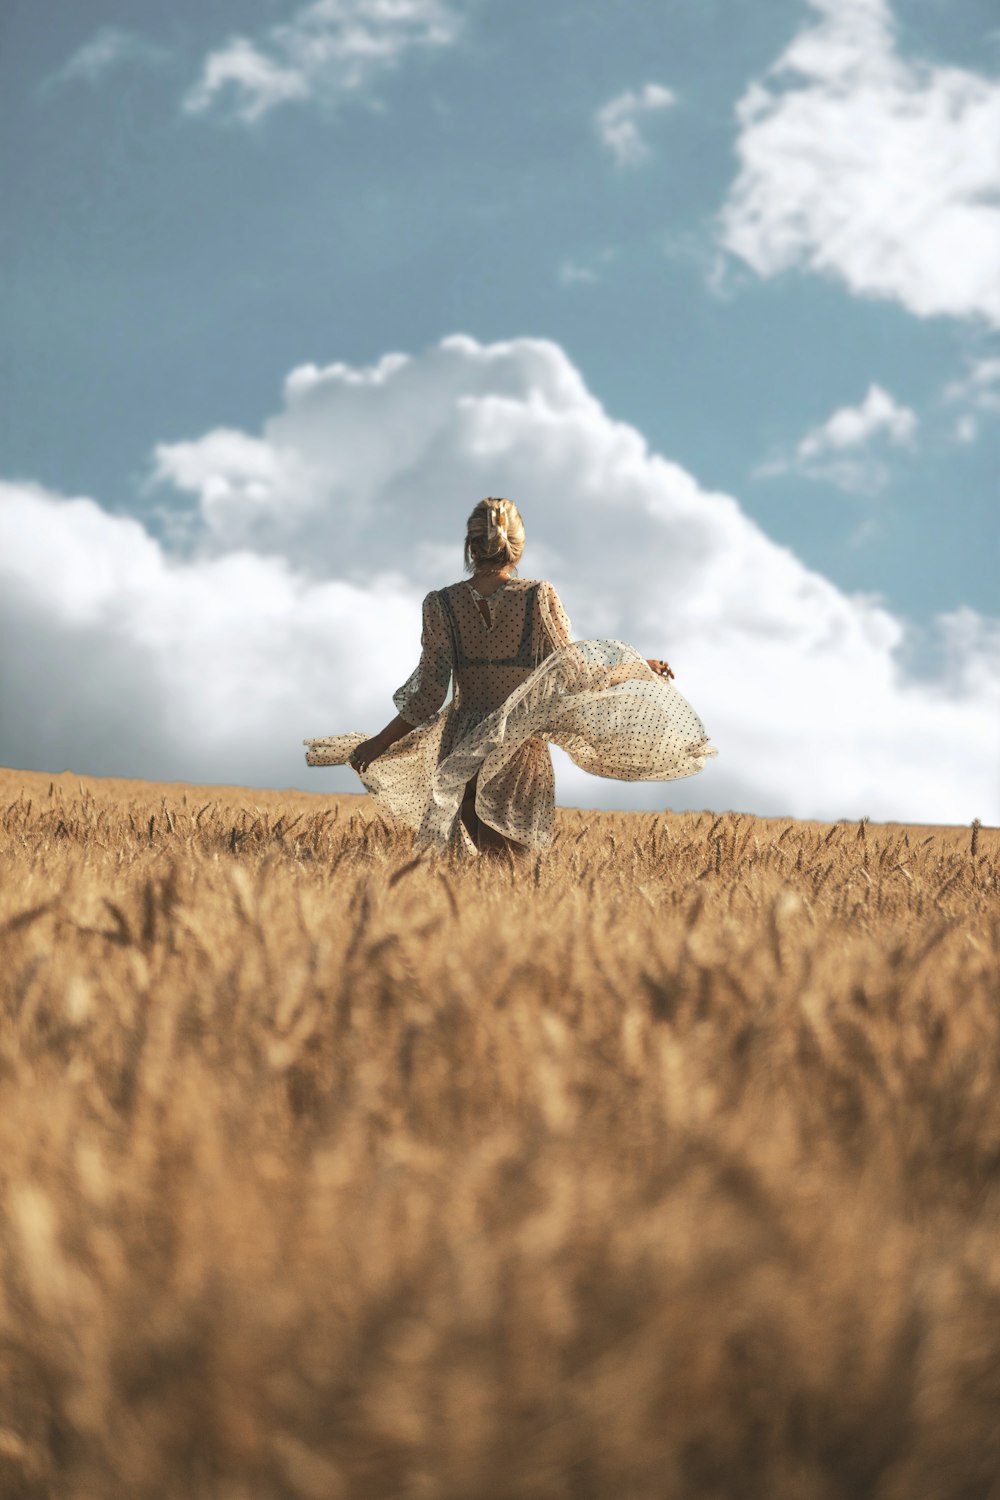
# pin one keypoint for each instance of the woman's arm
(423, 692)
(555, 621)
(557, 627)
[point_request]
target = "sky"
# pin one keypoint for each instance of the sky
(711, 290)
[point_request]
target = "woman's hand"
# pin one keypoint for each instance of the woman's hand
(661, 668)
(370, 750)
(366, 752)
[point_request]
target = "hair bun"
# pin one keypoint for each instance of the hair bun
(496, 521)
(494, 533)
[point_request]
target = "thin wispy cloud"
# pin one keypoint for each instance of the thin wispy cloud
(844, 450)
(876, 170)
(570, 273)
(978, 391)
(585, 270)
(720, 275)
(329, 50)
(619, 123)
(108, 49)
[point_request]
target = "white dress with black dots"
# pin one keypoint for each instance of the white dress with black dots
(517, 682)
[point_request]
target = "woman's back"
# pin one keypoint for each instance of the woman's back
(498, 639)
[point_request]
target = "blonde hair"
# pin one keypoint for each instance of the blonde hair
(494, 535)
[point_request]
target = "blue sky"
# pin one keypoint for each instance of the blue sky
(785, 278)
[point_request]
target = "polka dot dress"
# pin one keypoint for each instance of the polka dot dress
(518, 682)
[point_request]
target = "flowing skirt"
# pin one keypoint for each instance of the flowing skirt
(598, 700)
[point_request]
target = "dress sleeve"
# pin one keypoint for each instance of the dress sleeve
(555, 622)
(424, 691)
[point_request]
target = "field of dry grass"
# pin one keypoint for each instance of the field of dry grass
(665, 1166)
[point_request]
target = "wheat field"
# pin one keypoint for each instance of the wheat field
(666, 1165)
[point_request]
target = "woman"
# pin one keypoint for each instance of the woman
(476, 774)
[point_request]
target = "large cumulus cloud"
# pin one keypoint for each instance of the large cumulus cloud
(872, 168)
(287, 600)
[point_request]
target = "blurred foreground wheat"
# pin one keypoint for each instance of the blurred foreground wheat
(666, 1165)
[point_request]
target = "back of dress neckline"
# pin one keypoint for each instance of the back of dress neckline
(478, 595)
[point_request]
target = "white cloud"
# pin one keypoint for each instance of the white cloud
(117, 658)
(618, 122)
(292, 607)
(329, 49)
(839, 450)
(853, 426)
(256, 84)
(870, 168)
(108, 48)
(978, 391)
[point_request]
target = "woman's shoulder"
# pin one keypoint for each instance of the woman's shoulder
(542, 584)
(538, 588)
(512, 584)
(459, 591)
